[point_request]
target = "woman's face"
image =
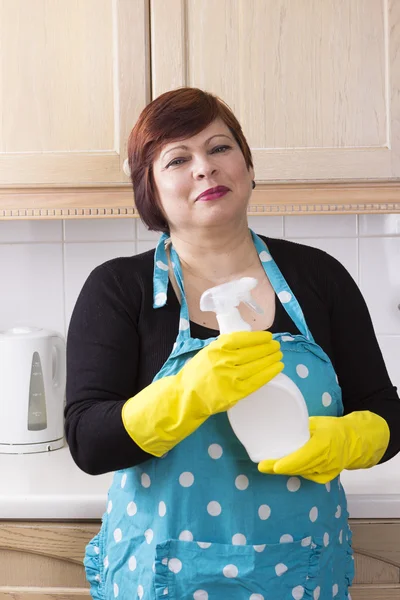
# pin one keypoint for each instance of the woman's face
(184, 169)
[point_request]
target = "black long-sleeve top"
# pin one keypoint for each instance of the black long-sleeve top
(117, 343)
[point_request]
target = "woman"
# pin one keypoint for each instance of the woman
(189, 515)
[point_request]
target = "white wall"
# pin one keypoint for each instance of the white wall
(43, 264)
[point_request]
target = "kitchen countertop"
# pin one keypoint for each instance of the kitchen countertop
(50, 486)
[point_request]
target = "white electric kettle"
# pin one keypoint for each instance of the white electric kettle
(32, 390)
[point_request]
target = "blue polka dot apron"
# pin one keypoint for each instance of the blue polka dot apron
(201, 522)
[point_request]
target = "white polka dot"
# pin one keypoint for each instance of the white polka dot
(259, 547)
(256, 597)
(264, 512)
(183, 324)
(149, 534)
(306, 541)
(242, 482)
(153, 567)
(341, 536)
(335, 589)
(186, 479)
(338, 511)
(140, 591)
(123, 480)
(285, 296)
(160, 299)
(174, 565)
(287, 338)
(238, 539)
(131, 509)
(117, 535)
(215, 451)
(286, 538)
(162, 509)
(302, 371)
(116, 590)
(214, 508)
(186, 536)
(280, 569)
(314, 514)
(161, 265)
(200, 595)
(264, 256)
(204, 545)
(96, 549)
(328, 486)
(146, 481)
(336, 377)
(97, 577)
(230, 571)
(298, 592)
(106, 562)
(109, 506)
(293, 484)
(326, 399)
(317, 592)
(132, 563)
(165, 592)
(326, 538)
(164, 561)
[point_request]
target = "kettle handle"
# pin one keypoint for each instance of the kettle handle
(60, 371)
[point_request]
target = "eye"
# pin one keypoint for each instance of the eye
(220, 149)
(175, 162)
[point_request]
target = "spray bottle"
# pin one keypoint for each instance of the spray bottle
(272, 421)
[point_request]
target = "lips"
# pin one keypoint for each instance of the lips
(220, 189)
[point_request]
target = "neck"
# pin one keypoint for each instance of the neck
(216, 258)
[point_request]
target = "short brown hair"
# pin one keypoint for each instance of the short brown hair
(175, 115)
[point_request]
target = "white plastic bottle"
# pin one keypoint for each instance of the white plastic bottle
(272, 421)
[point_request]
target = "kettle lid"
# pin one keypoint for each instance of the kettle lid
(26, 332)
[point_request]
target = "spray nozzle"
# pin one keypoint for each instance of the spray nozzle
(222, 299)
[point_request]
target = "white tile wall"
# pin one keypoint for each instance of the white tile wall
(43, 264)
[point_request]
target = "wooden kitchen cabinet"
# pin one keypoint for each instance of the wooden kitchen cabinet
(315, 85)
(43, 560)
(74, 78)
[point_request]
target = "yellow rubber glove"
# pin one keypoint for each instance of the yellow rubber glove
(227, 370)
(356, 441)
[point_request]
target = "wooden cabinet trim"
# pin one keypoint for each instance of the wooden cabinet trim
(267, 199)
(22, 593)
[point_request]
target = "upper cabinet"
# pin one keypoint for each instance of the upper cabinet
(315, 84)
(74, 76)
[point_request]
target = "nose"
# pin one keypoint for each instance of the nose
(204, 168)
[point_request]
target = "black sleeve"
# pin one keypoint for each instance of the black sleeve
(358, 360)
(102, 364)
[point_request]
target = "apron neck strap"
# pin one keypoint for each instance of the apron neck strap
(281, 287)
(165, 255)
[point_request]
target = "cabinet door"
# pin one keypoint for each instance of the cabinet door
(315, 85)
(73, 80)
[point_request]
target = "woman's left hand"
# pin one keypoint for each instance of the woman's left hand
(355, 441)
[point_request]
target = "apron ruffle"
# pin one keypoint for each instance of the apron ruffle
(94, 567)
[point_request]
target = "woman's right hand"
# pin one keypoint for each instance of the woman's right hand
(229, 369)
